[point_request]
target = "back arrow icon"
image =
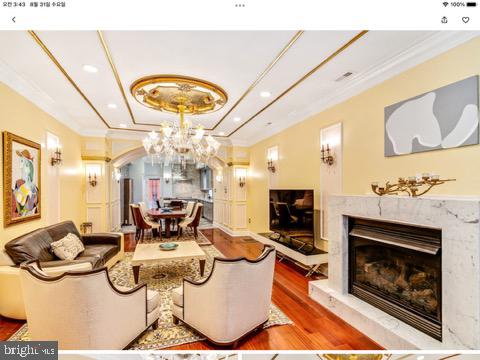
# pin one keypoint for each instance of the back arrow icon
(13, 19)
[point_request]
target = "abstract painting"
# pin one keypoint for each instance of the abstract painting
(440, 119)
(21, 179)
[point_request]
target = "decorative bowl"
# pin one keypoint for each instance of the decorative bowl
(168, 246)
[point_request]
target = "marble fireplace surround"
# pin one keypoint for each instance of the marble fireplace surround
(458, 218)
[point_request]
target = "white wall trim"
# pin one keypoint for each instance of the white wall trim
(35, 95)
(230, 231)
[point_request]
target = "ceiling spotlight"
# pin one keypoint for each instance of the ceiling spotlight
(90, 69)
(237, 119)
(421, 357)
(265, 94)
(123, 126)
(112, 106)
(221, 133)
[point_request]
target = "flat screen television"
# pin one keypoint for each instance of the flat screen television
(291, 212)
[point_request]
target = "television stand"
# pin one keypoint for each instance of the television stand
(305, 254)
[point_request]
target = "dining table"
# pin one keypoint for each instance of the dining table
(168, 216)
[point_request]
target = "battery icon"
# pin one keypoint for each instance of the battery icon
(472, 4)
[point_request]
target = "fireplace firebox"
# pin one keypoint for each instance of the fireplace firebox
(397, 268)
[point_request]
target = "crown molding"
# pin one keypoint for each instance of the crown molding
(96, 158)
(423, 51)
(36, 96)
(94, 132)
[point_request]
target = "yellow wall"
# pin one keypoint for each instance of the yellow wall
(363, 132)
(21, 117)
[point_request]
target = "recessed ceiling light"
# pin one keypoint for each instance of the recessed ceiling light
(90, 68)
(421, 357)
(123, 126)
(221, 133)
(112, 106)
(237, 119)
(265, 94)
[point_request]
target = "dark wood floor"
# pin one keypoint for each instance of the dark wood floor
(314, 328)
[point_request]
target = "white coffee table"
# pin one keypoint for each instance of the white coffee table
(146, 254)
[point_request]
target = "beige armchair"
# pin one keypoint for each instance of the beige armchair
(85, 310)
(11, 298)
(231, 302)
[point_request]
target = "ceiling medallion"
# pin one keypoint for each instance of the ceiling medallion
(182, 95)
(167, 92)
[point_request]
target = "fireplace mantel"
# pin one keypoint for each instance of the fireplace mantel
(458, 218)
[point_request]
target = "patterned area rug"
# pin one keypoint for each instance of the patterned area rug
(164, 278)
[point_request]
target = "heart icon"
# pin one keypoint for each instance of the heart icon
(465, 19)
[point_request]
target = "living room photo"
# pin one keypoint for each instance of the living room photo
(241, 190)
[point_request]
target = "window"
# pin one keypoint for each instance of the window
(154, 192)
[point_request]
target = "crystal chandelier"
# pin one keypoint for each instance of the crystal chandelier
(181, 141)
(182, 95)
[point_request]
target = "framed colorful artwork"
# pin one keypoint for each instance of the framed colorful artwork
(21, 179)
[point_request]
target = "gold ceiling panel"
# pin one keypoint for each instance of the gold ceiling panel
(262, 75)
(249, 89)
(72, 82)
(304, 77)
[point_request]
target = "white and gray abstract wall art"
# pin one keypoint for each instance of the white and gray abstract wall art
(443, 118)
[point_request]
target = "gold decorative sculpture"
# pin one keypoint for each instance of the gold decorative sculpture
(413, 186)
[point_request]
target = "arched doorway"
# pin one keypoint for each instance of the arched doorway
(119, 202)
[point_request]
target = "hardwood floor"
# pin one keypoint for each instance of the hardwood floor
(314, 328)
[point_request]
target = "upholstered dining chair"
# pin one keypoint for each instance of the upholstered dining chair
(87, 312)
(231, 302)
(143, 224)
(143, 209)
(137, 228)
(191, 221)
(189, 208)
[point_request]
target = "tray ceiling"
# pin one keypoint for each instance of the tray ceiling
(298, 69)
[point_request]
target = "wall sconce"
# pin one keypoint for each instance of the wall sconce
(167, 178)
(53, 144)
(117, 175)
(92, 179)
(242, 177)
(270, 166)
(272, 156)
(56, 159)
(93, 171)
(327, 157)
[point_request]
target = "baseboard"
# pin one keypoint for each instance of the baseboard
(230, 231)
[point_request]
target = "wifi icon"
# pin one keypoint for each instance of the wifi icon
(445, 4)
